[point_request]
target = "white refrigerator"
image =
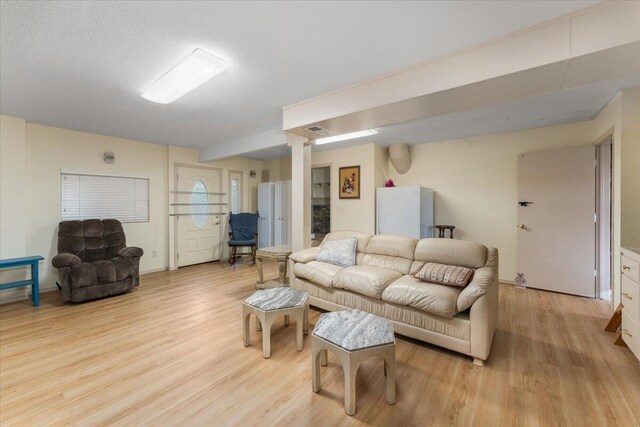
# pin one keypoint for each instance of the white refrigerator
(406, 211)
(266, 194)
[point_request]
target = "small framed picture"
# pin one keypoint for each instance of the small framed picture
(350, 182)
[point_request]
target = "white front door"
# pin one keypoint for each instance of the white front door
(200, 230)
(556, 226)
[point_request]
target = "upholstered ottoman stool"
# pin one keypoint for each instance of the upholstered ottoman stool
(353, 336)
(270, 304)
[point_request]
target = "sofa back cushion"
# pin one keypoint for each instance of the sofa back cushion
(389, 251)
(451, 252)
(363, 238)
(91, 239)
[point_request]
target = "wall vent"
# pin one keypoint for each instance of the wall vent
(319, 130)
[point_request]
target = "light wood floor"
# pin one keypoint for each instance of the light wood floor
(170, 353)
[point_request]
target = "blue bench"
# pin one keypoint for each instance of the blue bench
(34, 282)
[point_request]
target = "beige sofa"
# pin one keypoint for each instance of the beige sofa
(382, 283)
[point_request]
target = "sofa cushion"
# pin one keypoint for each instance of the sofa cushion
(317, 272)
(428, 297)
(305, 255)
(443, 274)
(401, 265)
(105, 271)
(82, 275)
(451, 252)
(339, 252)
(392, 245)
(124, 267)
(363, 238)
(365, 279)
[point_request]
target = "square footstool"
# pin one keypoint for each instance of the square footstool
(270, 304)
(354, 336)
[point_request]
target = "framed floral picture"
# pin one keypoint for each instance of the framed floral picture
(349, 182)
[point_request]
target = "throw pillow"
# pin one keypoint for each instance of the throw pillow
(339, 252)
(442, 274)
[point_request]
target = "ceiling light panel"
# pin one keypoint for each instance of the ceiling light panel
(345, 136)
(194, 70)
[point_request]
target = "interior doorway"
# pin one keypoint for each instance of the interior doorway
(320, 203)
(604, 218)
(556, 224)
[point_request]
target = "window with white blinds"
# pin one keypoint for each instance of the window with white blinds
(98, 196)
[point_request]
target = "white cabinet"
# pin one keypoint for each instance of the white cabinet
(630, 270)
(274, 207)
(282, 212)
(266, 194)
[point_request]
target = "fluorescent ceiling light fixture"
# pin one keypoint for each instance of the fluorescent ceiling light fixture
(345, 136)
(190, 73)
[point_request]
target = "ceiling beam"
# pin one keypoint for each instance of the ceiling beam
(246, 144)
(597, 44)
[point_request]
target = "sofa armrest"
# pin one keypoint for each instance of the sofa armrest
(484, 320)
(65, 260)
(131, 252)
(483, 280)
(306, 255)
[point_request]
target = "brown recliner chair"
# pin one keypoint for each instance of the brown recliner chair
(94, 260)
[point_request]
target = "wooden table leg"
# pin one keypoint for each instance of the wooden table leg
(35, 288)
(260, 277)
(315, 366)
(299, 329)
(350, 368)
(246, 314)
(282, 271)
(390, 371)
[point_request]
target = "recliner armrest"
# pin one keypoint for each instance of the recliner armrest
(131, 252)
(65, 260)
(305, 255)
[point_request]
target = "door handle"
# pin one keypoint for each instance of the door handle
(626, 267)
(626, 332)
(522, 227)
(627, 296)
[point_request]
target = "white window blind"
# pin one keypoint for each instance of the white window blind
(97, 196)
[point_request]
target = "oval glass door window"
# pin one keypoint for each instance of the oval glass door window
(199, 204)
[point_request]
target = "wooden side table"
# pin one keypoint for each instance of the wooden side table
(279, 253)
(334, 332)
(443, 228)
(268, 305)
(34, 282)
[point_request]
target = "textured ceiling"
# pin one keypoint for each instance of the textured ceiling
(568, 106)
(82, 65)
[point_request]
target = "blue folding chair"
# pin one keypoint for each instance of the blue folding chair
(243, 233)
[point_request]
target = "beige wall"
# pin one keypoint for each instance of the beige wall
(476, 182)
(32, 158)
(13, 218)
(249, 185)
(50, 150)
(352, 214)
(630, 169)
(279, 169)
